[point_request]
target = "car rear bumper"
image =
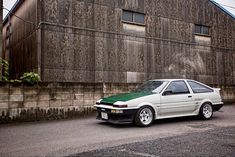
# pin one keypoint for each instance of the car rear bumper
(217, 107)
(126, 117)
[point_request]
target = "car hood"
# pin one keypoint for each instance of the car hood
(125, 97)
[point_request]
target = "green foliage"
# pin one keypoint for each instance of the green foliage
(15, 81)
(30, 78)
(5, 67)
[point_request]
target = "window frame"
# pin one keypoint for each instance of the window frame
(201, 33)
(188, 92)
(211, 90)
(133, 17)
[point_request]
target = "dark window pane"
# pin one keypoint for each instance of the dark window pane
(139, 18)
(198, 29)
(127, 16)
(205, 30)
(178, 87)
(198, 88)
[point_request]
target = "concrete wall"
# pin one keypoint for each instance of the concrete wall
(62, 100)
(86, 41)
(53, 101)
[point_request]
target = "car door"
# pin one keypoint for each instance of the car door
(201, 92)
(176, 100)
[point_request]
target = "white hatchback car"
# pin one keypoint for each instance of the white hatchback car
(158, 99)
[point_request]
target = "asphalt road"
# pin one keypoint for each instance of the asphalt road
(216, 143)
(89, 137)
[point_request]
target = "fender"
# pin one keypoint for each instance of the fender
(202, 102)
(148, 104)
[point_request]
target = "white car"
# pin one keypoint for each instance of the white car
(158, 99)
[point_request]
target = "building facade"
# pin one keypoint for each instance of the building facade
(121, 41)
(1, 16)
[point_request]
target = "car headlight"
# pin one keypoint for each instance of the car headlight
(120, 104)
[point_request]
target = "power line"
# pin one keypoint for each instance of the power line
(29, 22)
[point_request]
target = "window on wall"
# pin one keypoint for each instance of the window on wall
(133, 17)
(202, 30)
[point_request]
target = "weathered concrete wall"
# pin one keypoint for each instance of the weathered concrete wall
(62, 100)
(53, 101)
(86, 41)
(228, 94)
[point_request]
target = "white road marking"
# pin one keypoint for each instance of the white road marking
(137, 153)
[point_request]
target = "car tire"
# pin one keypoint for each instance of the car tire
(206, 111)
(144, 116)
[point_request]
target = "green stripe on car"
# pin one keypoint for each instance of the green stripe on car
(125, 97)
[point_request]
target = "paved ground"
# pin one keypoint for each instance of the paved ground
(73, 137)
(218, 142)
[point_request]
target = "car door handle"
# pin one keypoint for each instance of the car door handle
(190, 96)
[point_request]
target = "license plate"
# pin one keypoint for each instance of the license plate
(104, 115)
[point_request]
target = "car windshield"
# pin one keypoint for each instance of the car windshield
(149, 86)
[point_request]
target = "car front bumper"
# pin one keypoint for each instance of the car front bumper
(126, 117)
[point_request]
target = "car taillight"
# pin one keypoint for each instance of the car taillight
(120, 106)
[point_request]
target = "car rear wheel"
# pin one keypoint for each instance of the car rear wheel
(206, 111)
(144, 117)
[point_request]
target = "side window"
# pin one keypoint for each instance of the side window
(177, 87)
(198, 88)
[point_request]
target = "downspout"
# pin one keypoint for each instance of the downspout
(39, 38)
(10, 47)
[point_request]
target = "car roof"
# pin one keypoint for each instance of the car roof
(169, 80)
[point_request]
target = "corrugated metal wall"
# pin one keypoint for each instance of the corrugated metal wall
(20, 41)
(1, 41)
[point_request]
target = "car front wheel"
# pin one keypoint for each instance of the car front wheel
(206, 111)
(144, 117)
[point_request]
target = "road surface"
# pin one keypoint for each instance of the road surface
(81, 136)
(216, 143)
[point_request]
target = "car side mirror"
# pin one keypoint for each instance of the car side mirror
(167, 93)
